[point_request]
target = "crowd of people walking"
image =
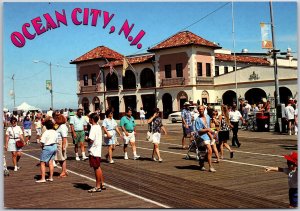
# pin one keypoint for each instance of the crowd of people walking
(203, 124)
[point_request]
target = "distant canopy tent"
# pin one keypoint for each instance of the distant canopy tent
(26, 107)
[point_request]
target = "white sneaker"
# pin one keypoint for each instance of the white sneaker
(77, 158)
(84, 158)
(112, 161)
(126, 157)
(211, 169)
(154, 159)
(136, 157)
(16, 168)
(296, 133)
(202, 168)
(160, 160)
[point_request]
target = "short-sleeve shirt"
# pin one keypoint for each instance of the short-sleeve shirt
(27, 124)
(109, 124)
(289, 112)
(234, 116)
(142, 113)
(155, 125)
(62, 131)
(49, 137)
(14, 132)
(95, 135)
(129, 124)
(38, 124)
(187, 116)
(292, 177)
(78, 123)
(199, 124)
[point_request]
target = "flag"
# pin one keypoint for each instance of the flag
(48, 85)
(125, 65)
(266, 36)
(111, 68)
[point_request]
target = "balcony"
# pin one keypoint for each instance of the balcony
(173, 81)
(88, 89)
(204, 80)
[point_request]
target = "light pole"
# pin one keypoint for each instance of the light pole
(51, 87)
(14, 96)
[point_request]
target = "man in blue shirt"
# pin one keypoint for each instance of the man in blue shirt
(187, 124)
(128, 126)
(202, 126)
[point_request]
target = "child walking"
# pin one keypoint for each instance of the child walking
(292, 172)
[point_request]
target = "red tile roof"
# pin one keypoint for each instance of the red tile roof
(182, 39)
(242, 59)
(99, 52)
(133, 60)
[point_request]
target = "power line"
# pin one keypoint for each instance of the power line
(64, 93)
(188, 26)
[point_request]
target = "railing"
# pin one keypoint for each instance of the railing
(173, 81)
(93, 88)
(204, 80)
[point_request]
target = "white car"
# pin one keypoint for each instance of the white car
(175, 117)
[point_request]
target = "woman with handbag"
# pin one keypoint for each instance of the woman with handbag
(14, 134)
(225, 126)
(156, 126)
(110, 128)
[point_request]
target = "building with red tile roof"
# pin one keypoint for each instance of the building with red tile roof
(184, 67)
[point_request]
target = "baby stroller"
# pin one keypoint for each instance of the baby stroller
(197, 146)
(6, 172)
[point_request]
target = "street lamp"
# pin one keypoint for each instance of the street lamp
(51, 87)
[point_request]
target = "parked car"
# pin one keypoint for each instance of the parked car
(176, 116)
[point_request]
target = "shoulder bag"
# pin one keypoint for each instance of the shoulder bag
(19, 142)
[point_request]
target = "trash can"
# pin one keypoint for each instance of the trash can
(262, 122)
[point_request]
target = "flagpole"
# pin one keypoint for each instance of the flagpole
(235, 69)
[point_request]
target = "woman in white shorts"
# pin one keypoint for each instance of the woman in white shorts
(110, 128)
(13, 134)
(156, 126)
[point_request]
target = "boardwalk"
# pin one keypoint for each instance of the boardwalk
(175, 183)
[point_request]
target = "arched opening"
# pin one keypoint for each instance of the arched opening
(229, 97)
(205, 97)
(85, 105)
(285, 94)
(255, 95)
(167, 105)
(182, 97)
(96, 103)
(129, 80)
(112, 82)
(147, 78)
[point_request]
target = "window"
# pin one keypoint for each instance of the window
(225, 70)
(208, 71)
(85, 80)
(217, 73)
(179, 71)
(94, 82)
(168, 73)
(199, 68)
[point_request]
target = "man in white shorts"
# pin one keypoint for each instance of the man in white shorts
(202, 126)
(128, 126)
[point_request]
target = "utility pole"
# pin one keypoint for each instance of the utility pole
(51, 90)
(274, 54)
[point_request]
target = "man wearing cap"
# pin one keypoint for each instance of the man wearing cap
(187, 124)
(292, 172)
(290, 116)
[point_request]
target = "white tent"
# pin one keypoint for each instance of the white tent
(26, 107)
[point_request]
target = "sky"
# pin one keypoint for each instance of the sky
(159, 20)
